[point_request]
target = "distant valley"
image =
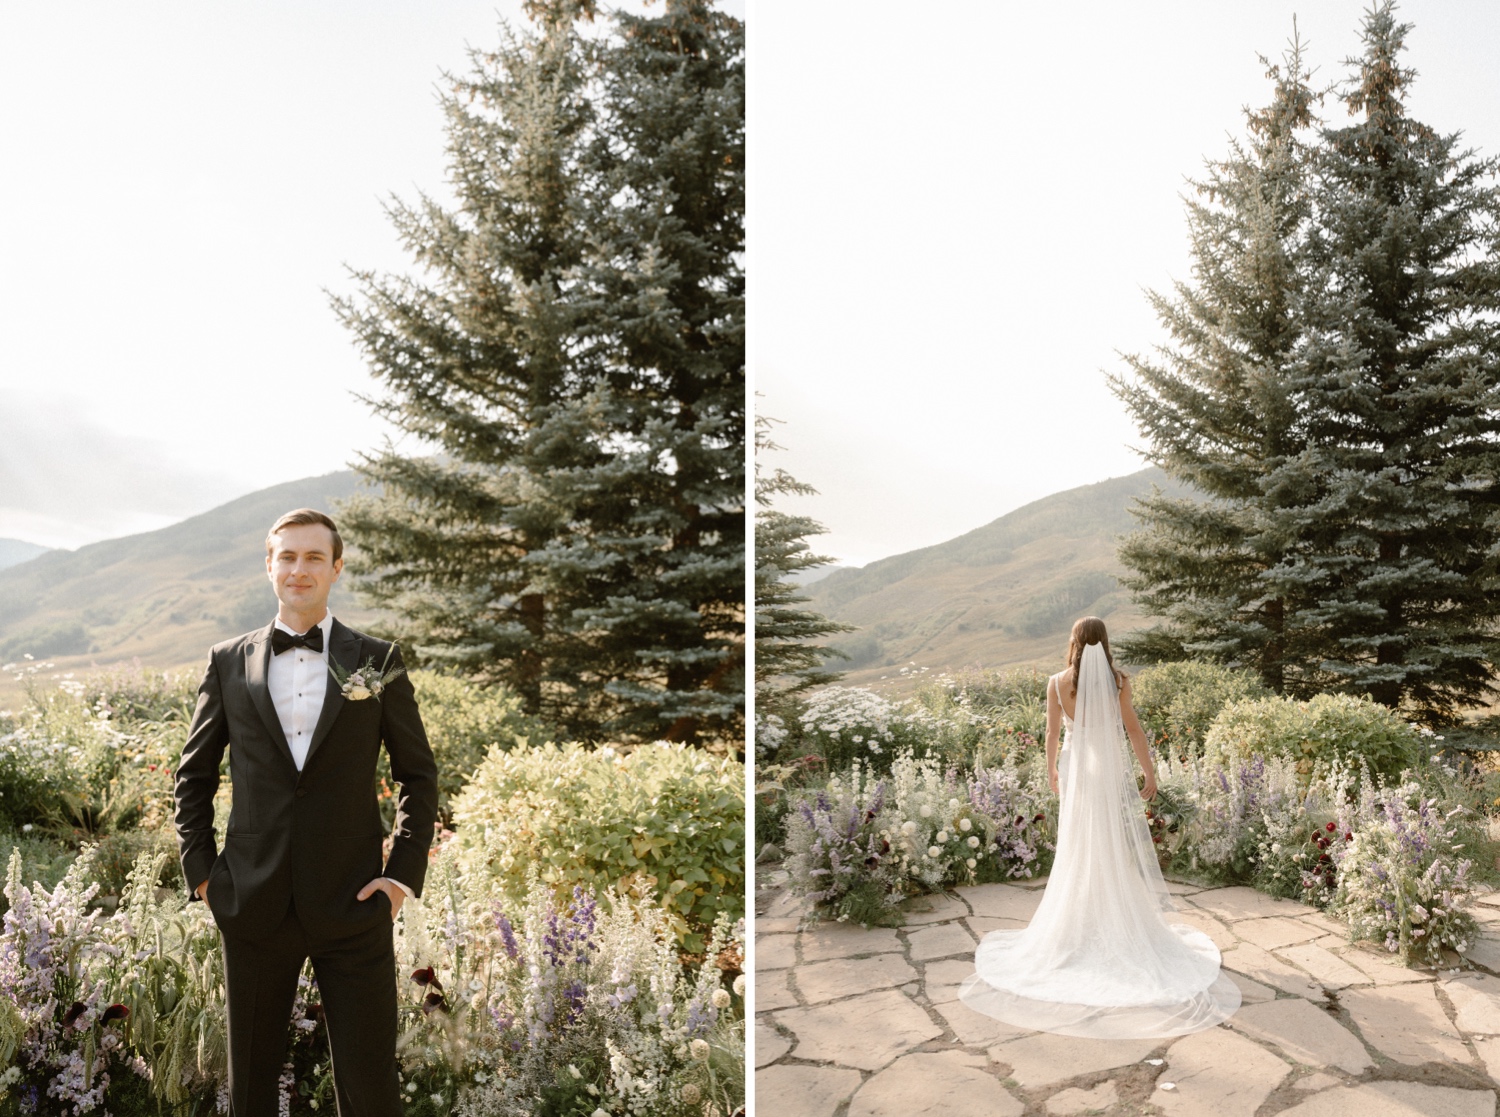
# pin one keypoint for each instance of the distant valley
(1002, 595)
(161, 597)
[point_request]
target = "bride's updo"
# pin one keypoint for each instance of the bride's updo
(1086, 631)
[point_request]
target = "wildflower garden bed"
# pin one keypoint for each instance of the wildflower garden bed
(587, 965)
(1334, 802)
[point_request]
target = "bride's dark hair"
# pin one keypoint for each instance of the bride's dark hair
(1086, 631)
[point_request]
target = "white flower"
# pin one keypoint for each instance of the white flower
(691, 1094)
(598, 1113)
(592, 1089)
(908, 827)
(973, 843)
(700, 1050)
(357, 679)
(926, 811)
(721, 998)
(971, 862)
(965, 825)
(356, 693)
(575, 1072)
(739, 986)
(953, 804)
(933, 851)
(942, 836)
(411, 1087)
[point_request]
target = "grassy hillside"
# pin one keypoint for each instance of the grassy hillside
(1004, 594)
(162, 597)
(13, 551)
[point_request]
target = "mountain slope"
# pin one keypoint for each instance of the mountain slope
(1000, 595)
(162, 596)
(13, 551)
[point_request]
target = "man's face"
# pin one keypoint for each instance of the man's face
(301, 566)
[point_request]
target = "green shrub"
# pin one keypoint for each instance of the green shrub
(1309, 733)
(668, 817)
(985, 716)
(463, 720)
(1177, 702)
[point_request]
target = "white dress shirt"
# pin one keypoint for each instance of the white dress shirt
(299, 680)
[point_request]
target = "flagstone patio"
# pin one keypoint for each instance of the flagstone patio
(854, 1022)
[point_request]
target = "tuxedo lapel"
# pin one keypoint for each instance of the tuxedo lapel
(343, 649)
(258, 682)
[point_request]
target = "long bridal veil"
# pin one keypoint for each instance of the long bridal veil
(1100, 957)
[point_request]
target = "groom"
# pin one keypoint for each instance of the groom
(300, 874)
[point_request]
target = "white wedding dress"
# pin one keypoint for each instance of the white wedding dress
(1100, 959)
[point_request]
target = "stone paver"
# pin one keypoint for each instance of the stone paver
(940, 1084)
(1077, 1100)
(804, 1091)
(974, 1029)
(1222, 937)
(1382, 968)
(1304, 1033)
(789, 906)
(1256, 963)
(942, 941)
(773, 990)
(845, 940)
(1405, 1023)
(842, 1033)
(980, 925)
(1319, 1081)
(933, 909)
(944, 978)
(1326, 967)
(1003, 901)
(1251, 992)
(1476, 1001)
(1276, 931)
(839, 977)
(1239, 902)
(880, 1005)
(1395, 1099)
(1484, 951)
(1217, 1073)
(770, 1045)
(775, 952)
(1044, 1059)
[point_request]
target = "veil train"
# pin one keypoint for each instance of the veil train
(1100, 958)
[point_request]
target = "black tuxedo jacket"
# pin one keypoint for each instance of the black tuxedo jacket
(315, 835)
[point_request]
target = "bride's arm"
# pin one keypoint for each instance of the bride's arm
(1137, 740)
(1054, 727)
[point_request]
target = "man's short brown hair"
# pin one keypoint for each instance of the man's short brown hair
(307, 516)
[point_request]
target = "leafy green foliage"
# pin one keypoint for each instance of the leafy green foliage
(464, 720)
(1311, 733)
(669, 817)
(1177, 702)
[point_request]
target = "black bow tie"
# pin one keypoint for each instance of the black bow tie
(281, 640)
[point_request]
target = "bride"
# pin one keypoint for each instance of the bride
(1099, 958)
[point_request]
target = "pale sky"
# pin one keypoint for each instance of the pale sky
(182, 183)
(955, 210)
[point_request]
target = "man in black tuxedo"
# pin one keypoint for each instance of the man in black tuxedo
(300, 874)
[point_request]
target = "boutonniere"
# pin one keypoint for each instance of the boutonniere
(367, 680)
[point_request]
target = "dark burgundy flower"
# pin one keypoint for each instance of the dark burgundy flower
(1330, 828)
(1348, 837)
(115, 1012)
(869, 816)
(427, 977)
(1039, 818)
(71, 1016)
(433, 1002)
(1020, 819)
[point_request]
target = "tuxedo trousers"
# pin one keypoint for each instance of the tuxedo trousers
(356, 984)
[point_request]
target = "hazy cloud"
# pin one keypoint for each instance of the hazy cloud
(67, 479)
